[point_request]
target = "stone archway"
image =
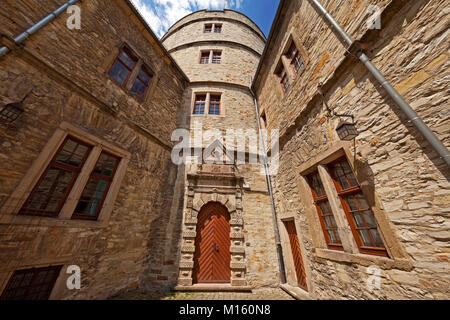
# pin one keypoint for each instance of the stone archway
(197, 198)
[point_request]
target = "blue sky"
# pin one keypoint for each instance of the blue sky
(161, 14)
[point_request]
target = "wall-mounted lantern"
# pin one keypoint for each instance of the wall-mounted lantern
(346, 130)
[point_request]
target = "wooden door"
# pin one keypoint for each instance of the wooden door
(212, 245)
(296, 254)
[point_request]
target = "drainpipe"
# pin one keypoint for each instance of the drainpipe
(269, 184)
(21, 38)
(432, 139)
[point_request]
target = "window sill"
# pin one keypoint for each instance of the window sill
(363, 259)
(296, 292)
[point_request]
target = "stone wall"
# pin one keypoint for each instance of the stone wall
(393, 160)
(67, 72)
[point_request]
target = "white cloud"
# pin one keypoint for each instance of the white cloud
(161, 14)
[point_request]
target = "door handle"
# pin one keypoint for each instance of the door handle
(215, 247)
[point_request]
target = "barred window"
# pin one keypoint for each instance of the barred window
(31, 284)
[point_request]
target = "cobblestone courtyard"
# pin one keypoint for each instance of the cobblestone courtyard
(259, 294)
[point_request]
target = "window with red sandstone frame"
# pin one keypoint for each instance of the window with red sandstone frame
(94, 194)
(359, 214)
(54, 186)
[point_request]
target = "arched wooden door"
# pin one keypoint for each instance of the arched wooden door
(212, 245)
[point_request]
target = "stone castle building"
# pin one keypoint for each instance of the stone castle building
(87, 177)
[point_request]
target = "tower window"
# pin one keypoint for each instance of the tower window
(31, 284)
(204, 59)
(208, 28)
(218, 28)
(214, 105)
(217, 57)
(200, 104)
(123, 66)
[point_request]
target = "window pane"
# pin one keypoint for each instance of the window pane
(105, 165)
(91, 198)
(144, 76)
(138, 88)
(377, 238)
(97, 187)
(365, 237)
(72, 153)
(119, 72)
(127, 59)
(200, 103)
(50, 191)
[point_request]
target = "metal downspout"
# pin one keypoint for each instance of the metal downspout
(269, 184)
(426, 132)
(21, 38)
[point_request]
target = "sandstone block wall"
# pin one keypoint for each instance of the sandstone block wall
(68, 74)
(242, 44)
(393, 160)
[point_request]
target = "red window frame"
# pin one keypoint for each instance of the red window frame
(320, 198)
(353, 190)
(217, 57)
(54, 164)
(214, 104)
(146, 84)
(199, 104)
(98, 177)
(208, 28)
(124, 64)
(204, 57)
(31, 284)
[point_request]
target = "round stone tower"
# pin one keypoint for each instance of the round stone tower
(227, 230)
(219, 51)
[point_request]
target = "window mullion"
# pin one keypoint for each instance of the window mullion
(75, 194)
(134, 74)
(344, 230)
